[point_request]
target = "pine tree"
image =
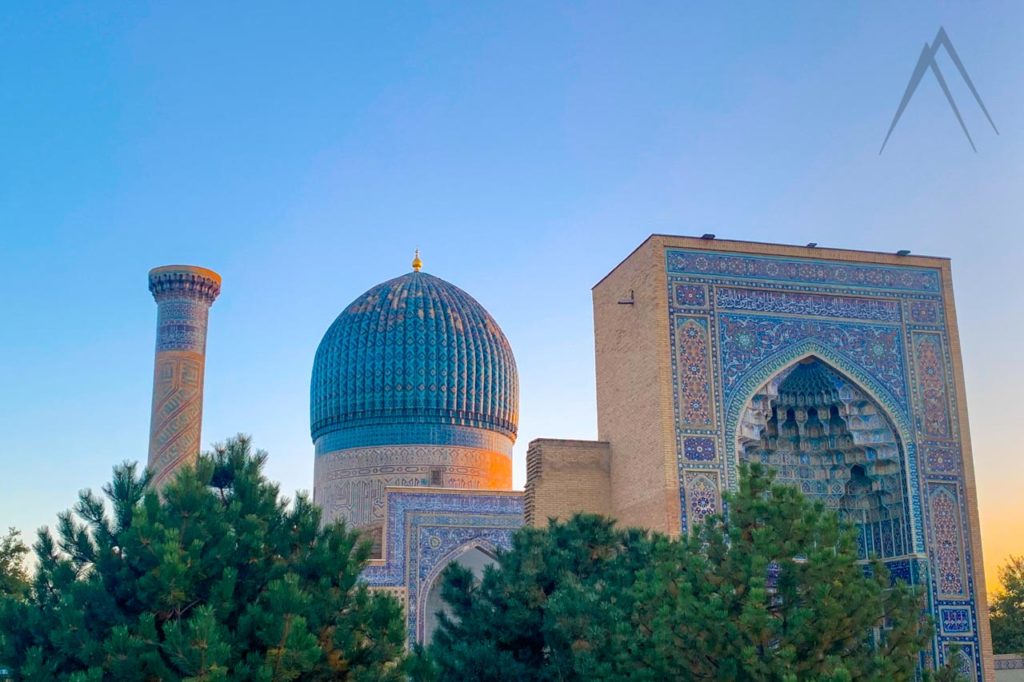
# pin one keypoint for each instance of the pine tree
(13, 578)
(557, 594)
(215, 578)
(773, 590)
(1008, 609)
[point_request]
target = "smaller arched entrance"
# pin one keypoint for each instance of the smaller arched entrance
(474, 557)
(821, 433)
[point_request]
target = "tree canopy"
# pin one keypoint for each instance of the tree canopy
(1007, 609)
(520, 622)
(216, 577)
(772, 590)
(13, 577)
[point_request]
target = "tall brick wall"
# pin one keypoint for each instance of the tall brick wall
(564, 477)
(634, 392)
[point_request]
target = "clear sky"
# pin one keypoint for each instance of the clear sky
(303, 150)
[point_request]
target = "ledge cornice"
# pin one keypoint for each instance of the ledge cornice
(188, 281)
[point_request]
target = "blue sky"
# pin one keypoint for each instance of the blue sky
(304, 150)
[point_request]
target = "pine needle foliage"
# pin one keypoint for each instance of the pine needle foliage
(772, 590)
(1007, 609)
(13, 577)
(216, 577)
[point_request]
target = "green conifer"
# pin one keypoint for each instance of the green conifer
(773, 590)
(215, 578)
(1008, 609)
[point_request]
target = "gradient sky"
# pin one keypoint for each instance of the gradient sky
(303, 150)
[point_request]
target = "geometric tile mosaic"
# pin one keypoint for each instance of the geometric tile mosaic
(691, 295)
(941, 458)
(699, 449)
(694, 364)
(931, 384)
(737, 320)
(426, 528)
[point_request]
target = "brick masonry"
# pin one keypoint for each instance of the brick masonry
(565, 477)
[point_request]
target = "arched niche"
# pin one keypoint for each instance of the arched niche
(476, 558)
(827, 436)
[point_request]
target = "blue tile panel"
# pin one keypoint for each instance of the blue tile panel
(183, 298)
(413, 350)
(413, 434)
(750, 340)
(181, 325)
(883, 328)
(699, 449)
(804, 270)
(424, 531)
(796, 303)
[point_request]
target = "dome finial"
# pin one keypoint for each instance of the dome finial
(416, 262)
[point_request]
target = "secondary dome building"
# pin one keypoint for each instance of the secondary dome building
(414, 384)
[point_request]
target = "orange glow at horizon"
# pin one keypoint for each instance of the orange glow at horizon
(1002, 523)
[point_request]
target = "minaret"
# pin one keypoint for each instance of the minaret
(184, 294)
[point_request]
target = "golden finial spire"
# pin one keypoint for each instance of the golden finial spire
(416, 262)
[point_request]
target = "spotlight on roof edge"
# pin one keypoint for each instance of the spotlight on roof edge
(707, 235)
(903, 252)
(811, 245)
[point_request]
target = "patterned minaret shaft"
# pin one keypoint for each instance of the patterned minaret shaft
(184, 294)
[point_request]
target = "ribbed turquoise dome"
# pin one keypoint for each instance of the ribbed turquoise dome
(410, 355)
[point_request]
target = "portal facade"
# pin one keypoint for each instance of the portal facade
(839, 369)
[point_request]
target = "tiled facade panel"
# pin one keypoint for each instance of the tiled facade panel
(426, 529)
(177, 412)
(695, 394)
(739, 320)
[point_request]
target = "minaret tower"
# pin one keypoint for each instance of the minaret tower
(184, 294)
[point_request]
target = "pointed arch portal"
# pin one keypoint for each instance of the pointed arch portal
(825, 435)
(476, 558)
